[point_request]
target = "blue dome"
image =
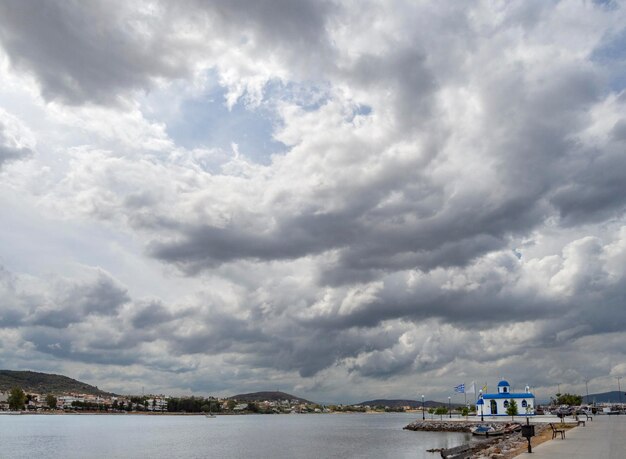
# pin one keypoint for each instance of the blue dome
(480, 402)
(503, 383)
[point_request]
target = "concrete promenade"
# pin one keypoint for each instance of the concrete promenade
(602, 438)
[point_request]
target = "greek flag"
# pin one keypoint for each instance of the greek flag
(460, 388)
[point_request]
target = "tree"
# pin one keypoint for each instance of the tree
(17, 399)
(465, 411)
(511, 410)
(51, 401)
(253, 407)
(568, 399)
(441, 411)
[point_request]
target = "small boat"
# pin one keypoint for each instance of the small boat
(512, 427)
(209, 415)
(486, 431)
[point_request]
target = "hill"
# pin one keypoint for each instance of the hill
(45, 383)
(605, 397)
(270, 396)
(416, 404)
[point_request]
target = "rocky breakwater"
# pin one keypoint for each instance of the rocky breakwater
(503, 447)
(446, 426)
(509, 446)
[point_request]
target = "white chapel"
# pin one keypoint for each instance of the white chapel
(497, 404)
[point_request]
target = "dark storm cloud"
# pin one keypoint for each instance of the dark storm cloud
(87, 51)
(294, 26)
(79, 321)
(150, 315)
(99, 51)
(407, 79)
(64, 345)
(11, 312)
(597, 190)
(366, 238)
(314, 350)
(72, 303)
(298, 237)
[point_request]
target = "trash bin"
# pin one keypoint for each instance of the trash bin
(528, 431)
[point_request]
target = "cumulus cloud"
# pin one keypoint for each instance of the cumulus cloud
(450, 194)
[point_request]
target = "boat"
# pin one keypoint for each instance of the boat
(512, 427)
(486, 431)
(491, 431)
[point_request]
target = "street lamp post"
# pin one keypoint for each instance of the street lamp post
(619, 391)
(423, 414)
(482, 402)
(587, 389)
(450, 410)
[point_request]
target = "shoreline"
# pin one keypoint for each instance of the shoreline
(506, 447)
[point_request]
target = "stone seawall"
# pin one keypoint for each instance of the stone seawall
(448, 426)
(504, 447)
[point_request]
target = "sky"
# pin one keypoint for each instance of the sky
(342, 200)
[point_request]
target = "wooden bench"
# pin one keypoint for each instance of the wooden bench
(458, 452)
(556, 431)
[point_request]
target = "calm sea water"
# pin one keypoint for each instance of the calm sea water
(280, 436)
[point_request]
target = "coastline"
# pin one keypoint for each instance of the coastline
(506, 447)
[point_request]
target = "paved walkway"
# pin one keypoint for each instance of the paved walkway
(602, 438)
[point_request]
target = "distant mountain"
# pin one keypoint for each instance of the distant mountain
(45, 383)
(605, 397)
(412, 403)
(270, 396)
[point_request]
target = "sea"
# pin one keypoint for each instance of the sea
(251, 436)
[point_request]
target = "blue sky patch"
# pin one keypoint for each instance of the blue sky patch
(207, 122)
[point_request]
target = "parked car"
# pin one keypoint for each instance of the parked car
(564, 410)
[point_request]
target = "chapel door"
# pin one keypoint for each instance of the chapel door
(494, 407)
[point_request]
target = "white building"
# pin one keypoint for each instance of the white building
(65, 401)
(497, 404)
(156, 404)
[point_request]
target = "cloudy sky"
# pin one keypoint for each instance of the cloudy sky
(337, 199)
